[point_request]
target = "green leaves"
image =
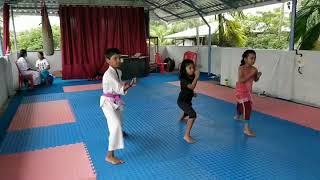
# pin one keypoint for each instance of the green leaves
(162, 29)
(32, 39)
(264, 30)
(234, 35)
(307, 30)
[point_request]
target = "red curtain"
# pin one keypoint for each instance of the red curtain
(86, 32)
(6, 31)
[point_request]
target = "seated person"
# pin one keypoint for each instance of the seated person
(43, 66)
(25, 69)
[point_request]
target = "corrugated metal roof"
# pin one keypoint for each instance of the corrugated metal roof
(192, 32)
(167, 10)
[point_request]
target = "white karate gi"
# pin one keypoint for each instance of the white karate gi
(24, 69)
(112, 84)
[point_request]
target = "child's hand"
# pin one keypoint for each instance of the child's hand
(127, 86)
(133, 81)
(259, 74)
(197, 74)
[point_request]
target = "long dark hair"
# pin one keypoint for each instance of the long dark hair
(245, 55)
(183, 71)
(41, 53)
(22, 53)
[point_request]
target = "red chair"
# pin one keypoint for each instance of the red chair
(190, 55)
(24, 77)
(160, 64)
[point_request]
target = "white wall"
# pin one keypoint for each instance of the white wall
(306, 87)
(7, 81)
(3, 82)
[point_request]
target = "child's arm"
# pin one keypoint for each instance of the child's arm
(37, 66)
(243, 77)
(193, 85)
(258, 76)
(127, 86)
(48, 65)
(110, 84)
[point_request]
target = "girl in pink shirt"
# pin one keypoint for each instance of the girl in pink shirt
(247, 74)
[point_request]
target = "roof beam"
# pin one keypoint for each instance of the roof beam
(228, 3)
(193, 6)
(196, 12)
(167, 4)
(159, 17)
(225, 10)
(151, 3)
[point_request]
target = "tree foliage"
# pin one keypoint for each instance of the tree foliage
(32, 39)
(230, 32)
(161, 29)
(265, 30)
(307, 30)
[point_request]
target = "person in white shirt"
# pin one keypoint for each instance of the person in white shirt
(111, 103)
(43, 66)
(25, 69)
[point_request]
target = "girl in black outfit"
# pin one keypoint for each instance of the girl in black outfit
(189, 77)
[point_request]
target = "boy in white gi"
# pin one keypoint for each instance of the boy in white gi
(111, 103)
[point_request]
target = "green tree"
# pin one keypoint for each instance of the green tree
(230, 32)
(307, 30)
(32, 39)
(161, 29)
(265, 30)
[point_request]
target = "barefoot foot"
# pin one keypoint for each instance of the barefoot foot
(249, 133)
(189, 139)
(237, 118)
(114, 161)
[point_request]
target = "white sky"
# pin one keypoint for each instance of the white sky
(23, 23)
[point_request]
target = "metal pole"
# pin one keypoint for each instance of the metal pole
(1, 51)
(14, 31)
(197, 37)
(209, 36)
(293, 24)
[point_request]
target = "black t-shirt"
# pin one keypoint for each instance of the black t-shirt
(186, 94)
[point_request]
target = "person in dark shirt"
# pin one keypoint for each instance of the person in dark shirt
(189, 77)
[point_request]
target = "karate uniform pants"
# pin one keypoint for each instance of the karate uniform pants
(114, 120)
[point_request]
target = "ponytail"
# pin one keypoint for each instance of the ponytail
(242, 62)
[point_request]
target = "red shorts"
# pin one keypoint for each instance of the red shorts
(244, 109)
